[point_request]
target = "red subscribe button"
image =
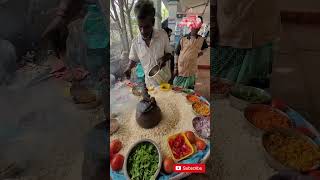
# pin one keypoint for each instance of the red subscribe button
(190, 168)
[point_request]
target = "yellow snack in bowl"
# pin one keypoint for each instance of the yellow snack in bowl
(165, 87)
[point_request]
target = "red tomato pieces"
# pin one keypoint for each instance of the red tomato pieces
(179, 147)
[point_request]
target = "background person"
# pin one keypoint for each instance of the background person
(244, 42)
(188, 51)
(169, 32)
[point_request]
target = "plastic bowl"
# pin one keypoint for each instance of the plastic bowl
(133, 147)
(188, 91)
(191, 95)
(248, 114)
(151, 88)
(165, 87)
(240, 103)
(202, 133)
(177, 89)
(187, 143)
(198, 114)
(225, 94)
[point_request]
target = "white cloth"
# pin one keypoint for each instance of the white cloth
(150, 56)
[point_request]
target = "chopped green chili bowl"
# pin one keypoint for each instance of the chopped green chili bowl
(143, 161)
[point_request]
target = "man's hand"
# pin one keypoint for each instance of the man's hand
(127, 73)
(164, 59)
(175, 73)
(57, 21)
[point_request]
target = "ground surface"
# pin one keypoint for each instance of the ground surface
(42, 131)
(238, 147)
(295, 70)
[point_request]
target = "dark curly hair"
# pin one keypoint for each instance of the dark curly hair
(144, 8)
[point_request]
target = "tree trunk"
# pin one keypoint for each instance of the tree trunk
(123, 25)
(123, 40)
(130, 25)
(120, 21)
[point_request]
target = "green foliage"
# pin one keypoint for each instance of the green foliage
(143, 162)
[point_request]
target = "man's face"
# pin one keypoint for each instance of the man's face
(194, 32)
(146, 27)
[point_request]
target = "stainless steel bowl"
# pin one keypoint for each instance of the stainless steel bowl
(241, 104)
(274, 163)
(225, 95)
(132, 148)
(253, 129)
(154, 70)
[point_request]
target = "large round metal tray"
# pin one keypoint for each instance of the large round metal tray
(133, 146)
(275, 164)
(254, 107)
(240, 103)
(203, 160)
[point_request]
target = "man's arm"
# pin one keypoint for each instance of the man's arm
(168, 51)
(59, 18)
(178, 49)
(167, 46)
(204, 45)
(133, 60)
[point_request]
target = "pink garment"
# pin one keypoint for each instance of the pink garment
(192, 22)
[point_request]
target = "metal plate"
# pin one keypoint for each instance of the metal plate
(275, 164)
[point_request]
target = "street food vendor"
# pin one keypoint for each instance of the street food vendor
(151, 47)
(188, 51)
(244, 43)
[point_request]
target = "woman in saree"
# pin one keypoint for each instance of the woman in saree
(246, 32)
